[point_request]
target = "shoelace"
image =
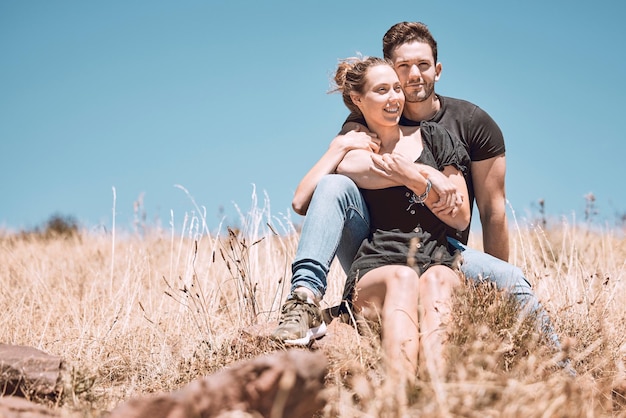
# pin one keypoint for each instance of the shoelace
(290, 311)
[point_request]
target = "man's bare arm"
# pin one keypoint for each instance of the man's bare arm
(489, 189)
(406, 172)
(358, 165)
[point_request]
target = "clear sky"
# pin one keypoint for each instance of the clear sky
(218, 96)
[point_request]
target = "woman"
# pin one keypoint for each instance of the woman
(403, 274)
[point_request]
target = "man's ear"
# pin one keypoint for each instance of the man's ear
(438, 69)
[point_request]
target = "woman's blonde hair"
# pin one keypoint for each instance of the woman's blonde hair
(350, 77)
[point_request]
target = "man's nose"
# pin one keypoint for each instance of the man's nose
(415, 71)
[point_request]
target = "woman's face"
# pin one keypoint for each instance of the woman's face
(382, 100)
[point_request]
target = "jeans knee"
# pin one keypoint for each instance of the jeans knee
(338, 192)
(490, 269)
(516, 276)
(336, 185)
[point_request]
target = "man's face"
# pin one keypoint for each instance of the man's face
(416, 68)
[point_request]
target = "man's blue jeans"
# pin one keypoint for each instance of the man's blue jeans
(336, 223)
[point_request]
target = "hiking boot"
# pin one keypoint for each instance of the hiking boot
(300, 320)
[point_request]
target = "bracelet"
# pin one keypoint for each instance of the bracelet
(422, 197)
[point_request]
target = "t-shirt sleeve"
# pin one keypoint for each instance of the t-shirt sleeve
(487, 140)
(446, 148)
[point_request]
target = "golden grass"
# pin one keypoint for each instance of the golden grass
(134, 314)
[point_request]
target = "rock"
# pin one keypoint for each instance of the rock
(14, 407)
(285, 383)
(31, 373)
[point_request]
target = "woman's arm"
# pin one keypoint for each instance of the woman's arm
(328, 163)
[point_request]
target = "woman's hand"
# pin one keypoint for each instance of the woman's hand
(357, 139)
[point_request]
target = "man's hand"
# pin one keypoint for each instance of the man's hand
(450, 200)
(394, 166)
(400, 169)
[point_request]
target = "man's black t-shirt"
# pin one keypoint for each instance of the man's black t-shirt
(477, 131)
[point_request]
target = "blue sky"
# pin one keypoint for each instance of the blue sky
(218, 96)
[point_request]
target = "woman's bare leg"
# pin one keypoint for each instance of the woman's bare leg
(391, 294)
(436, 287)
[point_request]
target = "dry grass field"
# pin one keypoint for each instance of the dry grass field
(134, 314)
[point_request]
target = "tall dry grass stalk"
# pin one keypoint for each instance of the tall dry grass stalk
(134, 314)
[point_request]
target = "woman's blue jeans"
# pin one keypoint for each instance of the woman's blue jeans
(336, 223)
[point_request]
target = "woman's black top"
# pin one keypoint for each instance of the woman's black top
(402, 231)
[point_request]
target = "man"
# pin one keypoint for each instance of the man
(336, 217)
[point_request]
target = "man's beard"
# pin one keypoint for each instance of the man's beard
(422, 95)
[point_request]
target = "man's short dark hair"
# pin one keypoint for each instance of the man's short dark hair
(405, 32)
